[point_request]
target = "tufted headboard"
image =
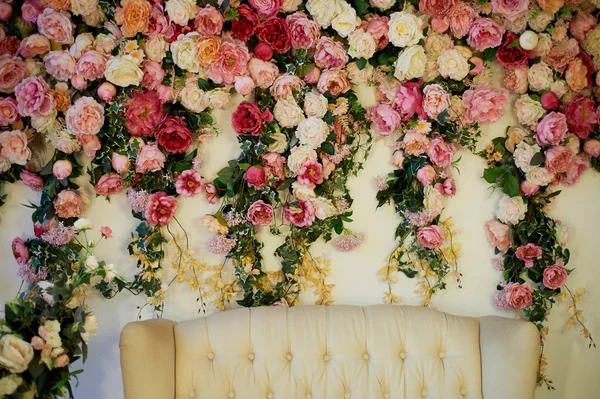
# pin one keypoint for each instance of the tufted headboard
(313, 352)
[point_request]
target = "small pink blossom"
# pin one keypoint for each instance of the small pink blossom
(188, 183)
(426, 175)
(301, 215)
(210, 193)
(527, 253)
(106, 231)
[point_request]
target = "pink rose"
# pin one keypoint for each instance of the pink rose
(266, 8)
(90, 144)
(55, 26)
(409, 101)
(34, 45)
(188, 183)
(581, 25)
(13, 147)
(426, 175)
(377, 26)
(527, 253)
(260, 213)
(334, 81)
(310, 174)
(285, 85)
(592, 147)
(62, 169)
(304, 31)
(519, 296)
(230, 65)
(415, 143)
(78, 82)
(478, 66)
(313, 76)
(91, 65)
(143, 113)
(12, 72)
(106, 231)
(510, 9)
(384, 119)
(552, 129)
(211, 193)
(529, 188)
(174, 135)
(149, 159)
(515, 79)
(160, 209)
(330, 54)
(440, 153)
(430, 236)
(5, 11)
(256, 177)
(555, 277)
(120, 163)
(484, 104)
(153, 75)
(107, 91)
(209, 21)
(262, 72)
(68, 204)
(9, 112)
(436, 100)
(461, 18)
(579, 165)
(449, 187)
(302, 215)
(440, 24)
(558, 159)
(435, 7)
(34, 97)
(485, 33)
(244, 85)
(581, 115)
(60, 64)
(165, 93)
(85, 116)
(550, 100)
(274, 165)
(20, 251)
(498, 234)
(109, 184)
(31, 180)
(262, 52)
(30, 9)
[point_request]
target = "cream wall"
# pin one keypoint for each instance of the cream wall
(573, 367)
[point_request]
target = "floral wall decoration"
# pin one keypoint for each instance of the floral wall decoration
(117, 95)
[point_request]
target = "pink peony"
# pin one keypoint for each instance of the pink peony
(484, 104)
(550, 100)
(153, 75)
(552, 129)
(13, 147)
(558, 159)
(435, 7)
(310, 174)
(561, 54)
(211, 193)
(109, 184)
(244, 85)
(149, 159)
(274, 165)
(527, 253)
(62, 169)
(592, 147)
(160, 209)
(377, 27)
(31, 180)
(68, 204)
(581, 115)
(449, 187)
(555, 277)
(230, 65)
(247, 118)
(12, 72)
(143, 113)
(409, 101)
(120, 163)
(34, 97)
(20, 251)
(509, 55)
(91, 65)
(266, 8)
(510, 9)
(330, 54)
(90, 144)
(256, 177)
(430, 236)
(485, 33)
(188, 183)
(304, 31)
(426, 175)
(384, 119)
(209, 21)
(581, 25)
(260, 213)
(85, 116)
(440, 153)
(498, 234)
(519, 296)
(529, 188)
(579, 165)
(461, 18)
(436, 100)
(515, 79)
(9, 112)
(302, 215)
(106, 231)
(55, 26)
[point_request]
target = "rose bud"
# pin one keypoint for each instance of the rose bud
(107, 91)
(62, 169)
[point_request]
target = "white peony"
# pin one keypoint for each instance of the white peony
(511, 210)
(523, 154)
(280, 144)
(91, 262)
(411, 63)
(382, 4)
(404, 29)
(181, 11)
(345, 20)
(312, 132)
(123, 71)
(362, 44)
(15, 354)
(185, 53)
(315, 104)
(540, 76)
(83, 224)
(193, 98)
(322, 11)
(452, 64)
(528, 110)
(434, 200)
(299, 156)
(302, 192)
(540, 176)
(287, 112)
(324, 208)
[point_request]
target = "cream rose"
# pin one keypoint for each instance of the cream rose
(315, 104)
(358, 76)
(280, 144)
(302, 192)
(404, 29)
(511, 210)
(434, 200)
(193, 98)
(156, 48)
(10, 383)
(15, 354)
(528, 110)
(13, 147)
(515, 135)
(382, 4)
(523, 154)
(540, 77)
(312, 132)
(181, 11)
(185, 53)
(290, 5)
(436, 43)
(287, 112)
(345, 20)
(322, 11)
(123, 71)
(411, 63)
(539, 176)
(362, 44)
(299, 156)
(324, 207)
(105, 43)
(218, 98)
(453, 65)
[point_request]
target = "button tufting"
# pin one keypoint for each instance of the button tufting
(423, 393)
(366, 356)
(463, 391)
(326, 358)
(346, 395)
(270, 395)
(231, 394)
(288, 356)
(251, 356)
(386, 395)
(442, 355)
(402, 355)
(211, 356)
(192, 394)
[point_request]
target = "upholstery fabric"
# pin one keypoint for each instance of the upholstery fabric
(313, 352)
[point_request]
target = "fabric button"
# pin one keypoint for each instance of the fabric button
(463, 391)
(326, 358)
(423, 393)
(270, 395)
(288, 356)
(386, 395)
(346, 395)
(211, 356)
(251, 356)
(231, 394)
(366, 356)
(402, 355)
(192, 394)
(442, 355)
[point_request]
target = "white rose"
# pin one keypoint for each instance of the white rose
(185, 53)
(193, 98)
(290, 5)
(110, 272)
(540, 77)
(404, 29)
(436, 43)
(15, 354)
(91, 262)
(90, 326)
(300, 155)
(84, 7)
(105, 43)
(156, 48)
(83, 42)
(358, 76)
(452, 64)
(431, 70)
(511, 210)
(83, 224)
(324, 208)
(345, 20)
(322, 11)
(434, 200)
(528, 110)
(315, 104)
(540, 176)
(123, 71)
(560, 88)
(312, 132)
(287, 112)
(9, 384)
(362, 44)
(181, 11)
(523, 154)
(411, 63)
(302, 192)
(218, 98)
(382, 4)
(280, 144)
(562, 233)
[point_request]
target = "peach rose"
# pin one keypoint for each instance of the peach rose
(109, 184)
(435, 100)
(12, 71)
(68, 204)
(415, 143)
(133, 16)
(285, 85)
(13, 147)
(60, 64)
(263, 73)
(333, 81)
(431, 236)
(149, 159)
(208, 49)
(576, 75)
(85, 116)
(461, 18)
(519, 296)
(555, 277)
(34, 45)
(92, 64)
(55, 26)
(209, 21)
(515, 79)
(498, 234)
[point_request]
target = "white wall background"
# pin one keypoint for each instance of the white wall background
(572, 366)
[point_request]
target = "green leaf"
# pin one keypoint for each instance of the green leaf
(492, 174)
(537, 159)
(328, 148)
(410, 273)
(361, 6)
(361, 63)
(513, 44)
(510, 185)
(489, 54)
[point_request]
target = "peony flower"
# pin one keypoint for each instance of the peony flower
(34, 45)
(310, 174)
(34, 97)
(304, 32)
(85, 116)
(581, 25)
(312, 132)
(511, 56)
(484, 104)
(123, 71)
(498, 235)
(576, 75)
(527, 253)
(12, 71)
(274, 165)
(68, 204)
(515, 79)
(409, 101)
(263, 73)
(440, 153)
(210, 193)
(299, 156)
(276, 34)
(301, 215)
(91, 65)
(561, 54)
(592, 147)
(266, 8)
(384, 119)
(109, 184)
(174, 135)
(579, 165)
(430, 236)
(510, 9)
(460, 18)
(511, 210)
(519, 296)
(209, 21)
(181, 11)
(426, 175)
(285, 85)
(330, 54)
(13, 147)
(55, 26)
(160, 209)
(247, 118)
(552, 129)
(149, 159)
(555, 277)
(230, 65)
(90, 144)
(243, 27)
(580, 115)
(485, 33)
(256, 177)
(558, 159)
(188, 183)
(404, 29)
(260, 213)
(436, 100)
(410, 63)
(415, 143)
(143, 113)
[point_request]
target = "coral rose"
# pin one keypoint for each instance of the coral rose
(558, 159)
(430, 236)
(143, 113)
(68, 204)
(149, 159)
(498, 234)
(581, 115)
(555, 277)
(109, 184)
(256, 177)
(160, 209)
(260, 213)
(209, 21)
(174, 135)
(519, 296)
(133, 16)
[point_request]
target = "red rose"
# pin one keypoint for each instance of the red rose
(581, 115)
(587, 62)
(511, 57)
(143, 113)
(256, 177)
(10, 45)
(276, 33)
(173, 135)
(243, 27)
(247, 118)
